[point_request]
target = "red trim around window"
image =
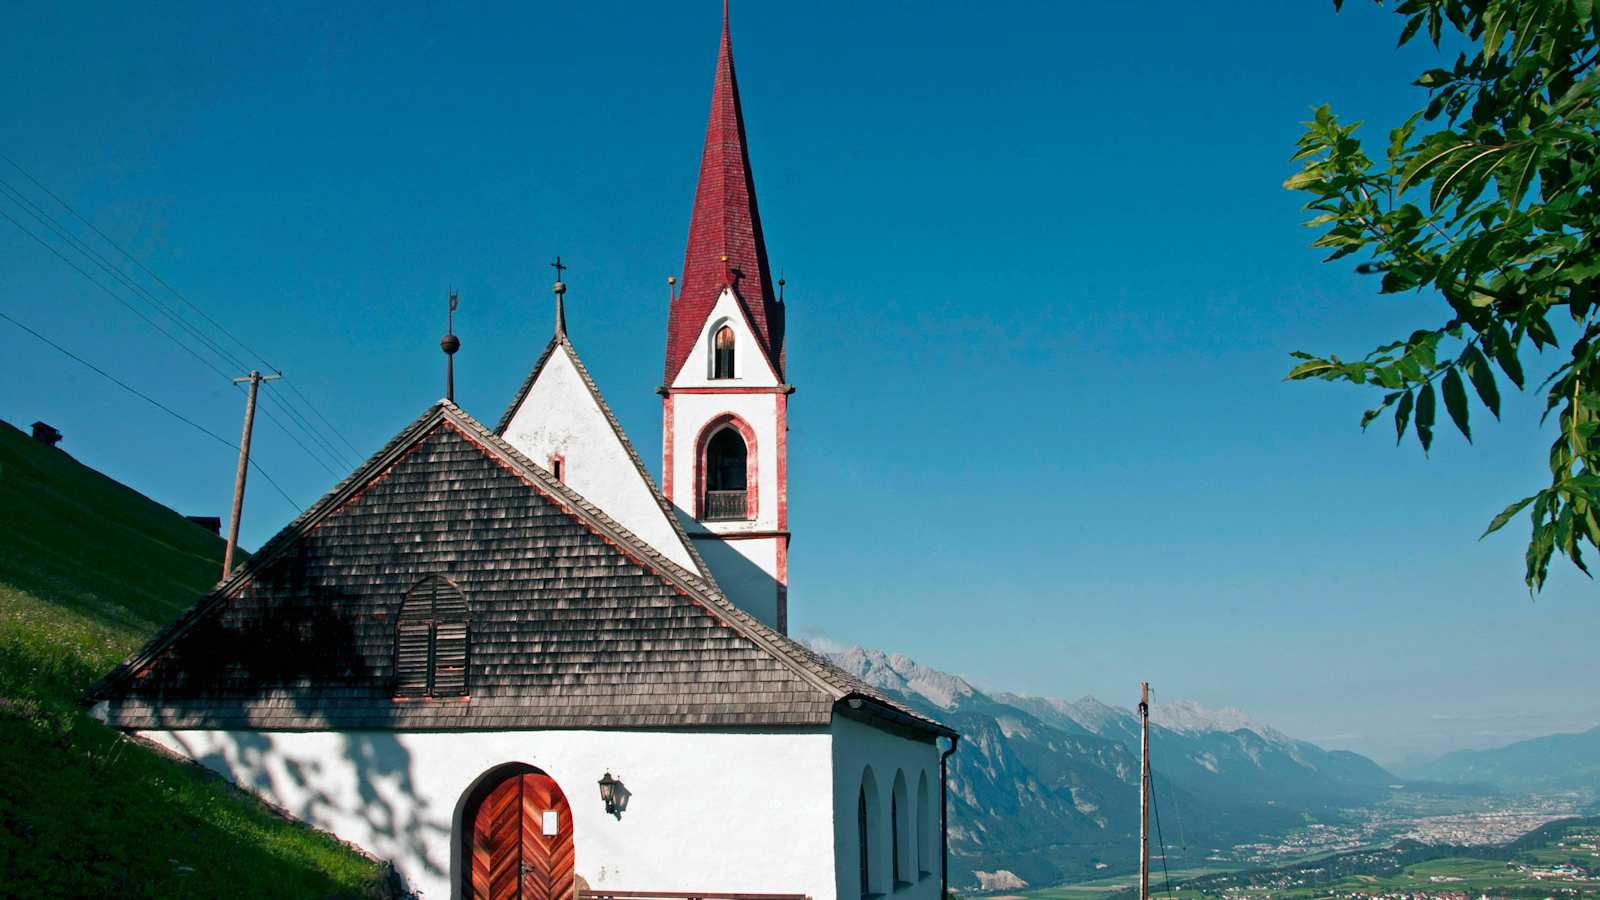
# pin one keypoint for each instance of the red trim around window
(751, 485)
(668, 439)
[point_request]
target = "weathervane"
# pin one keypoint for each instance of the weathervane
(450, 344)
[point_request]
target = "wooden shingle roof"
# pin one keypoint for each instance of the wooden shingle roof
(573, 621)
(562, 341)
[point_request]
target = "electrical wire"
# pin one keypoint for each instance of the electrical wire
(185, 300)
(116, 274)
(267, 414)
(115, 296)
(1155, 806)
(295, 415)
(156, 403)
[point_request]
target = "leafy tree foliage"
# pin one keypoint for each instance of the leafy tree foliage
(1486, 199)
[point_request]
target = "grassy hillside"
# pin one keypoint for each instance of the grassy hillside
(88, 570)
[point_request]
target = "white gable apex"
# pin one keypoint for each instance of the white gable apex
(750, 365)
(559, 416)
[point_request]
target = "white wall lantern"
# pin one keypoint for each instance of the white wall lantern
(614, 795)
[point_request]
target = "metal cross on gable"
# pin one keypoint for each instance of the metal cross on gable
(558, 267)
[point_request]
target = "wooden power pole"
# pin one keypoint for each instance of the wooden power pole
(1144, 790)
(254, 379)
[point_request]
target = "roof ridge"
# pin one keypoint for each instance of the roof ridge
(812, 668)
(695, 588)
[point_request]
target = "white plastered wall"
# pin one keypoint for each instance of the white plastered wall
(745, 571)
(856, 746)
(560, 416)
(690, 415)
(747, 812)
(747, 568)
(750, 367)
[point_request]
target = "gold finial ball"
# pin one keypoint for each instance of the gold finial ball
(781, 282)
(672, 279)
(560, 288)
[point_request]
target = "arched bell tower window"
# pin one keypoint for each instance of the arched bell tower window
(430, 647)
(722, 353)
(726, 475)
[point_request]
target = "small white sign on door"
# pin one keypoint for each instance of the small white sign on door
(552, 823)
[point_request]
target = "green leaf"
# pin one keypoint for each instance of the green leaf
(1425, 409)
(1505, 354)
(1496, 18)
(1455, 401)
(1482, 378)
(1310, 369)
(1402, 415)
(1305, 179)
(1499, 521)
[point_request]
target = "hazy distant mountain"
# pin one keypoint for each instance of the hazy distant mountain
(1223, 756)
(1047, 789)
(1553, 762)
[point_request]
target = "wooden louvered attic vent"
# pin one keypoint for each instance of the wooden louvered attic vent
(430, 645)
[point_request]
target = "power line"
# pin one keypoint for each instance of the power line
(116, 274)
(79, 216)
(185, 300)
(291, 436)
(1155, 807)
(324, 419)
(153, 402)
(45, 219)
(114, 295)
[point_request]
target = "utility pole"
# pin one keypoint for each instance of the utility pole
(254, 379)
(1144, 790)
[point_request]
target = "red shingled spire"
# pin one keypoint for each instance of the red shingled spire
(725, 224)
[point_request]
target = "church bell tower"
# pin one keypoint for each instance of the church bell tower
(725, 401)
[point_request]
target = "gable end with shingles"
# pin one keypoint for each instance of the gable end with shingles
(574, 622)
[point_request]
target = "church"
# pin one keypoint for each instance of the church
(508, 661)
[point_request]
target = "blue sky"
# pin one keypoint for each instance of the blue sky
(1043, 282)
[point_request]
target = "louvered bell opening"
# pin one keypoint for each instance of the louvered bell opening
(450, 660)
(411, 659)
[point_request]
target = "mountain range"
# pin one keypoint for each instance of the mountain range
(1044, 790)
(1552, 762)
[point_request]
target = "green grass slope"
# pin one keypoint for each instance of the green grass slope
(89, 569)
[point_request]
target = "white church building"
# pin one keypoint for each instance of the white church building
(507, 661)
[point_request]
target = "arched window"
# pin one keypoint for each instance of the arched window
(900, 858)
(869, 819)
(924, 829)
(722, 353)
(430, 647)
(861, 836)
(894, 838)
(726, 468)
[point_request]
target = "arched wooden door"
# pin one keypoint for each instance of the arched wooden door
(522, 841)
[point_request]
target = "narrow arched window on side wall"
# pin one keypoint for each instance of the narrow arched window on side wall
(722, 353)
(861, 836)
(869, 824)
(925, 851)
(430, 646)
(894, 838)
